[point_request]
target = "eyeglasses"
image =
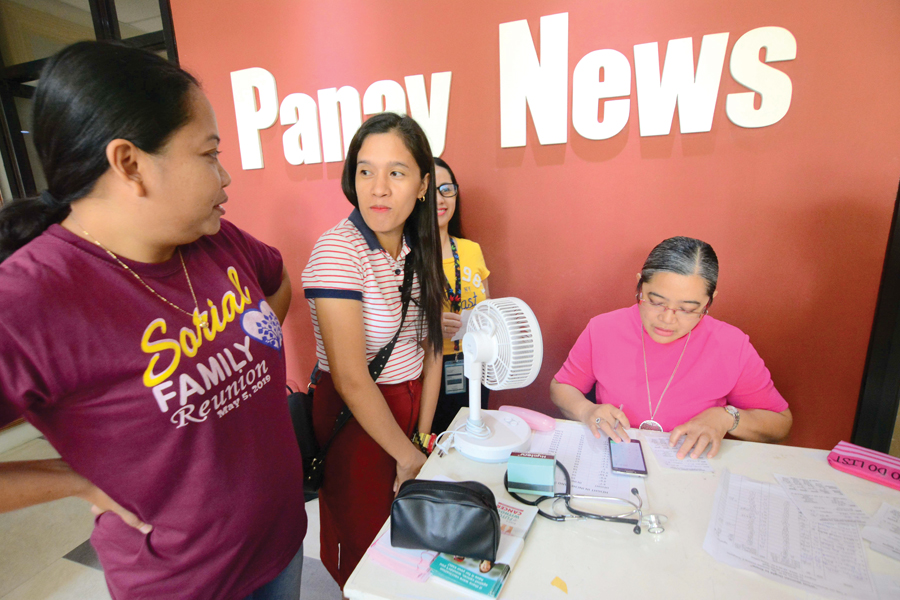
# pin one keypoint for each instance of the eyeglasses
(658, 308)
(448, 190)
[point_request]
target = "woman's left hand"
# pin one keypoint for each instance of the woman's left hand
(707, 428)
(101, 503)
(450, 324)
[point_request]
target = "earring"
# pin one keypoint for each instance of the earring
(422, 199)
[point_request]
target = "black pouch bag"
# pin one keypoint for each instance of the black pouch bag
(300, 406)
(458, 518)
(313, 457)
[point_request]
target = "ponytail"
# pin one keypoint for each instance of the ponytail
(24, 219)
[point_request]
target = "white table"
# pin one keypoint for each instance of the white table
(598, 559)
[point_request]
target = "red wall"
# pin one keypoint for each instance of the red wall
(798, 212)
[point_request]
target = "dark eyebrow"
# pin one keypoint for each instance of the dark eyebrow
(396, 163)
(682, 302)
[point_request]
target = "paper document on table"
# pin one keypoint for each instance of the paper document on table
(462, 327)
(883, 531)
(821, 500)
(888, 587)
(668, 457)
(756, 526)
(587, 460)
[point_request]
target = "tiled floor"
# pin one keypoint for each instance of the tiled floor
(45, 553)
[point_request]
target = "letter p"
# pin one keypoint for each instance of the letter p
(252, 117)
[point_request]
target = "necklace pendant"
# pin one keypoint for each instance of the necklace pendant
(650, 425)
(201, 319)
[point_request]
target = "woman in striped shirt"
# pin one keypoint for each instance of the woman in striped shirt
(353, 284)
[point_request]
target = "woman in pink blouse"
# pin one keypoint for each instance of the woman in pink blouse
(664, 364)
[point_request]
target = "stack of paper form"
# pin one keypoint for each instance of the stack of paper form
(756, 526)
(821, 501)
(883, 531)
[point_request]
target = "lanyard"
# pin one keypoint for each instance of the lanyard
(455, 296)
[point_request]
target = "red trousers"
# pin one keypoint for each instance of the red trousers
(357, 490)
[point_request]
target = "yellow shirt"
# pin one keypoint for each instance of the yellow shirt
(473, 272)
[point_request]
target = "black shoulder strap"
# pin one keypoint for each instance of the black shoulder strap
(378, 363)
(381, 359)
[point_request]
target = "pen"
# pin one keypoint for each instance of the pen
(616, 424)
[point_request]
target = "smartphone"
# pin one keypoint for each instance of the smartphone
(627, 459)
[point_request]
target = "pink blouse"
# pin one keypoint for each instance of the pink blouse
(719, 367)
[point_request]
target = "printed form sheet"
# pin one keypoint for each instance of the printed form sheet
(821, 500)
(668, 457)
(587, 460)
(756, 526)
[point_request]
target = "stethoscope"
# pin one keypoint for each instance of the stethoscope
(653, 522)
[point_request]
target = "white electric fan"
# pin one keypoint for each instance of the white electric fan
(503, 349)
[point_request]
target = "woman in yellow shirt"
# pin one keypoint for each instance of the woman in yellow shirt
(466, 286)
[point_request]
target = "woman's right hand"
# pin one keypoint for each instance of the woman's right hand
(101, 503)
(450, 324)
(602, 417)
(409, 468)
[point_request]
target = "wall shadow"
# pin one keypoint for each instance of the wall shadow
(599, 150)
(816, 328)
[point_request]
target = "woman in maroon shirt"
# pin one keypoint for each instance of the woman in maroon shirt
(140, 332)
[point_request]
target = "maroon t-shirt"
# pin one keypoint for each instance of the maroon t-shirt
(188, 429)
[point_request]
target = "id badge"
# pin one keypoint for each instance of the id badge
(454, 377)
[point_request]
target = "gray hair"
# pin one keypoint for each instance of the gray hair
(683, 256)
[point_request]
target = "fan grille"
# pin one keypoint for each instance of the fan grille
(519, 347)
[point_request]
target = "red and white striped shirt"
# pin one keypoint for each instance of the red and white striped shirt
(349, 262)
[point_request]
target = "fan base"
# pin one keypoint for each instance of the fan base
(509, 434)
